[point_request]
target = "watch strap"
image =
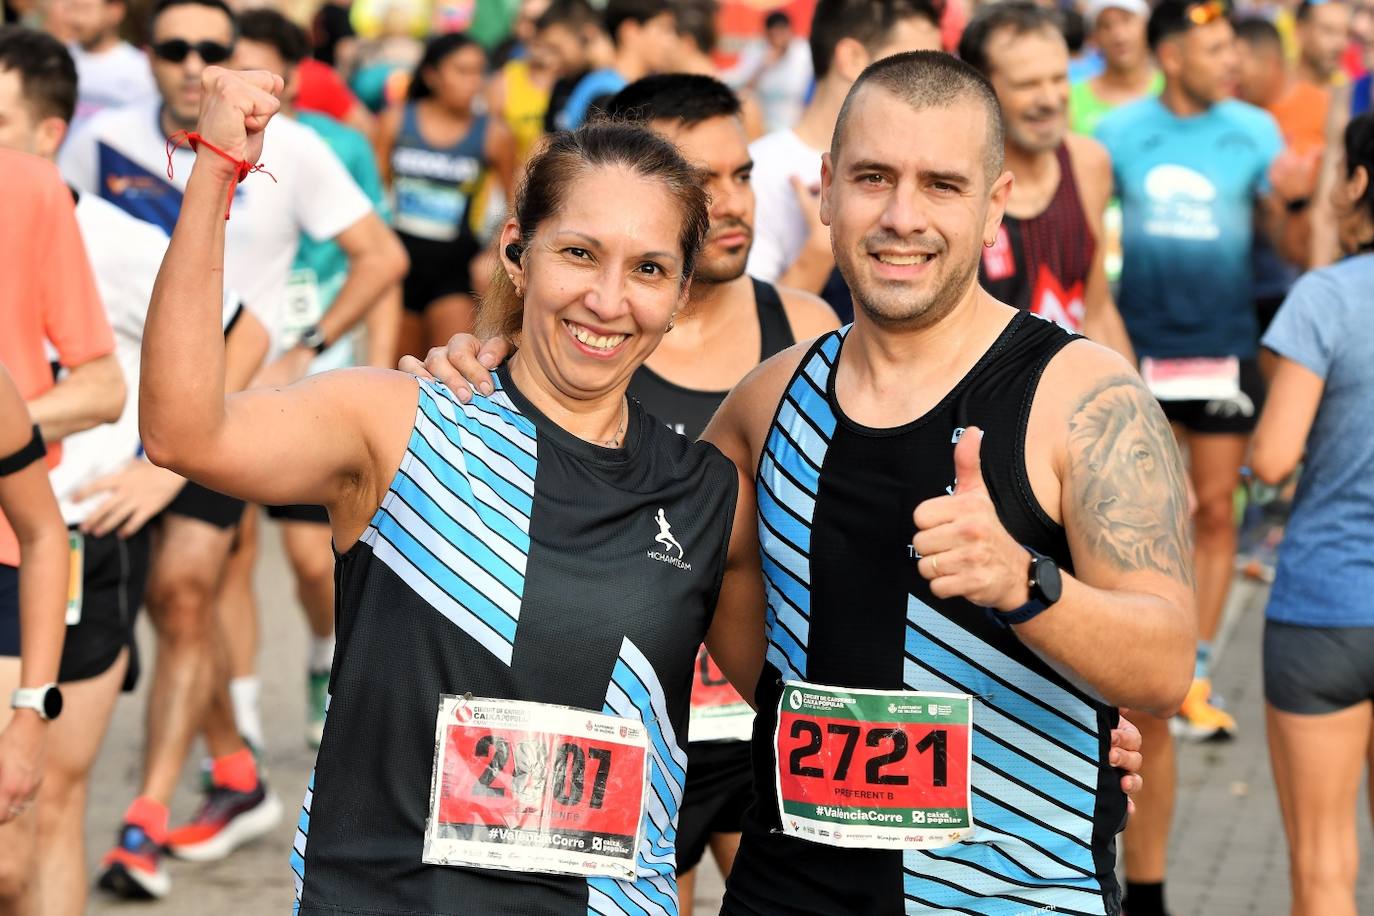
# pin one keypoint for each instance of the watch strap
(1025, 612)
(1032, 608)
(31, 698)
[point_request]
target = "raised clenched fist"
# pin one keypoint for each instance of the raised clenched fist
(235, 109)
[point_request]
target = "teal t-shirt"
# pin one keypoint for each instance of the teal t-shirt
(1189, 189)
(321, 268)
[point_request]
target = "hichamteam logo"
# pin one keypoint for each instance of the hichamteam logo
(670, 543)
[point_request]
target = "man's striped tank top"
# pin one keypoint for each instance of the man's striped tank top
(848, 608)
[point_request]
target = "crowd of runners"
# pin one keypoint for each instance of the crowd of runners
(827, 442)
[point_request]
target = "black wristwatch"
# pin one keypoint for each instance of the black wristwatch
(313, 338)
(1046, 587)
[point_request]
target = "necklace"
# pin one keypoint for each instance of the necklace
(614, 441)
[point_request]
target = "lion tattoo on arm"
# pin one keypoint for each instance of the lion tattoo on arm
(1129, 496)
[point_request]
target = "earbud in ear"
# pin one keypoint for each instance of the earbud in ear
(513, 252)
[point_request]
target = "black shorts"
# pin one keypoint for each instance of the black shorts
(1236, 415)
(299, 513)
(437, 269)
(720, 786)
(1315, 670)
(195, 501)
(114, 575)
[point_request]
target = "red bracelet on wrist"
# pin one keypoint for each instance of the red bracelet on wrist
(195, 141)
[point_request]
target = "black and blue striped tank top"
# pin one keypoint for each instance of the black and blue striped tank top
(511, 560)
(848, 608)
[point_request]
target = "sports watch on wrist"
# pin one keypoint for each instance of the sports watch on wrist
(313, 338)
(45, 700)
(1046, 587)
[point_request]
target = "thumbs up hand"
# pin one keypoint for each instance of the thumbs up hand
(964, 550)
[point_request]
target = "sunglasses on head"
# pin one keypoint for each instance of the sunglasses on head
(176, 50)
(1204, 13)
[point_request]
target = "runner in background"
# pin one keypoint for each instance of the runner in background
(332, 36)
(1048, 256)
(791, 245)
(644, 33)
(434, 152)
(1319, 629)
(1117, 28)
(33, 594)
(111, 72)
(386, 54)
(775, 69)
(122, 155)
(108, 493)
(1347, 102)
(519, 92)
(1192, 171)
(578, 36)
(47, 293)
(269, 41)
(1362, 45)
(695, 54)
(1300, 102)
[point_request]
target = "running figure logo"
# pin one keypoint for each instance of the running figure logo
(665, 536)
(668, 543)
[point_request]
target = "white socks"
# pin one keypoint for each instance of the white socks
(321, 653)
(243, 693)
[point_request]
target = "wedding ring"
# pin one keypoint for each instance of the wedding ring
(935, 565)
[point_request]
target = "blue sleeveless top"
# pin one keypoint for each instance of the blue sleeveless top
(433, 185)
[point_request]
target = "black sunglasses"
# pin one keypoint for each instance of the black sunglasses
(175, 50)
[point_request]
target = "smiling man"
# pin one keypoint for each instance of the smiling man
(1048, 256)
(965, 763)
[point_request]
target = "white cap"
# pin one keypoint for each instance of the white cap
(1095, 8)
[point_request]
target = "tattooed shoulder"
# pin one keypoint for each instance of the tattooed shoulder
(1128, 496)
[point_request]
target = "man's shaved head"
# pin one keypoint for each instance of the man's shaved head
(930, 79)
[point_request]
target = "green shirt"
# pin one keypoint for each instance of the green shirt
(1086, 109)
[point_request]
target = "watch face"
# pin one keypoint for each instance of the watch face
(52, 703)
(1047, 580)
